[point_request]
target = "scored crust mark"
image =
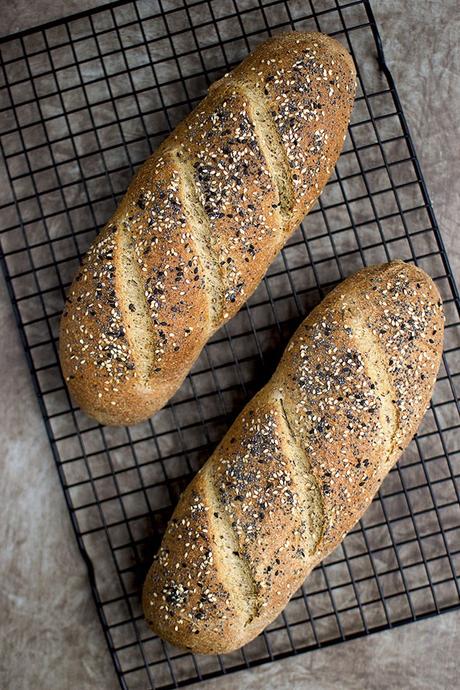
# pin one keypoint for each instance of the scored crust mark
(338, 412)
(271, 144)
(207, 191)
(308, 486)
(409, 326)
(374, 357)
(256, 480)
(234, 186)
(200, 229)
(134, 307)
(94, 332)
(226, 549)
(188, 590)
(306, 95)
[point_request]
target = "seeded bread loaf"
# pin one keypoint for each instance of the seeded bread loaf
(301, 463)
(200, 223)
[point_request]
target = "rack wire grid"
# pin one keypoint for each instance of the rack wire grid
(83, 102)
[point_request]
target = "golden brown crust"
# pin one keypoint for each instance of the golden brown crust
(199, 598)
(305, 457)
(200, 224)
(99, 349)
(308, 83)
(235, 188)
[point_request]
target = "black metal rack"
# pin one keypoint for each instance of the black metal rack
(83, 102)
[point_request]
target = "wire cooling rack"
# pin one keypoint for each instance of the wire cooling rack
(83, 102)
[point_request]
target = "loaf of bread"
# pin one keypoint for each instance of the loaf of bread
(201, 222)
(301, 463)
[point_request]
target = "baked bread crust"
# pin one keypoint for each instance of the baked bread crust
(200, 223)
(301, 463)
